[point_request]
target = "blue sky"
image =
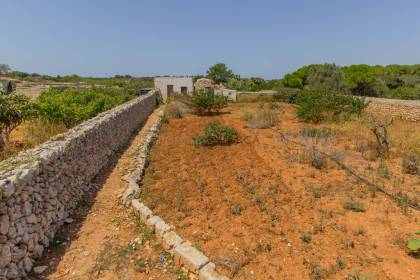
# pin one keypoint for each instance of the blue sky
(265, 38)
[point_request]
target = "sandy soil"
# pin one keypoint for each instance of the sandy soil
(105, 240)
(260, 211)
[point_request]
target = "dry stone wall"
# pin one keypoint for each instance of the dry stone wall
(40, 187)
(406, 109)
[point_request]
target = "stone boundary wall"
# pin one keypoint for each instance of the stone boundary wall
(40, 187)
(185, 254)
(405, 109)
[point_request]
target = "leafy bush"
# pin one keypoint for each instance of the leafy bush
(319, 103)
(204, 101)
(411, 164)
(405, 93)
(327, 75)
(14, 109)
(413, 245)
(285, 94)
(215, 134)
(73, 106)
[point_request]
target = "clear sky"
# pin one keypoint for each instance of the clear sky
(265, 38)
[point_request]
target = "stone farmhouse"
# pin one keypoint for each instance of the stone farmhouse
(168, 86)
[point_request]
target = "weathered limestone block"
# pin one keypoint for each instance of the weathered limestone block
(208, 272)
(143, 211)
(171, 240)
(153, 221)
(189, 256)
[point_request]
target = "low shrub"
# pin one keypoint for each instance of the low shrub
(316, 158)
(411, 164)
(356, 206)
(206, 101)
(264, 118)
(216, 134)
(413, 245)
(285, 94)
(319, 103)
(323, 132)
(247, 116)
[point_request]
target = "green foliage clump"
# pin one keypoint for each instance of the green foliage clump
(355, 206)
(73, 106)
(14, 109)
(204, 101)
(298, 78)
(405, 93)
(413, 245)
(216, 134)
(319, 103)
(219, 73)
(327, 75)
(286, 94)
(392, 81)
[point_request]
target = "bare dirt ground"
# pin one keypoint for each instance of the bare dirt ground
(105, 240)
(260, 211)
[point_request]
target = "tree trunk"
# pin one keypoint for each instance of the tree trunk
(2, 142)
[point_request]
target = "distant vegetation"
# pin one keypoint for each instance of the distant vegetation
(392, 81)
(73, 106)
(54, 111)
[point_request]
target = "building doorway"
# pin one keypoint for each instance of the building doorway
(170, 90)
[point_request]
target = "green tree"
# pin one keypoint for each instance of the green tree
(327, 75)
(219, 73)
(235, 83)
(297, 79)
(204, 101)
(361, 79)
(14, 109)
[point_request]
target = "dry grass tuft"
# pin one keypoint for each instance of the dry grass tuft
(176, 109)
(264, 118)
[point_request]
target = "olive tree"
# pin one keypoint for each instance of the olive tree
(14, 109)
(204, 101)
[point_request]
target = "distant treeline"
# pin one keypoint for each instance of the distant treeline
(117, 80)
(392, 81)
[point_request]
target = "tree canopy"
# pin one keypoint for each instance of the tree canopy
(220, 73)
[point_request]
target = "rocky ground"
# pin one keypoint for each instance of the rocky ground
(260, 210)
